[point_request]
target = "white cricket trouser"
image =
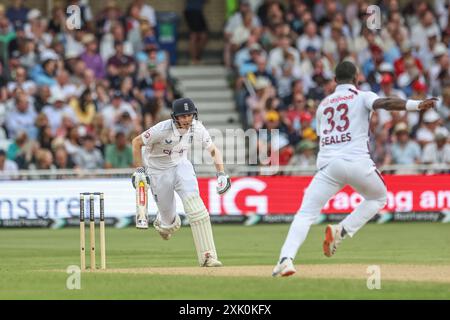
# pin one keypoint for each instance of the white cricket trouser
(361, 174)
(180, 179)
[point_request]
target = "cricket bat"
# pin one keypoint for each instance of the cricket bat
(141, 202)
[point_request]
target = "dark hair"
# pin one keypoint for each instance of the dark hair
(345, 72)
(83, 100)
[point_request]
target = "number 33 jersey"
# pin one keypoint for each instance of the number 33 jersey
(343, 124)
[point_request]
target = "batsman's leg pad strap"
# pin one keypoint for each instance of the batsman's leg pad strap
(200, 223)
(170, 229)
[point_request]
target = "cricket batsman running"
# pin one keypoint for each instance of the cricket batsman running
(343, 127)
(167, 169)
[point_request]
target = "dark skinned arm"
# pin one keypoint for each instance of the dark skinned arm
(396, 104)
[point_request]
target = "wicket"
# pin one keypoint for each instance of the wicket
(92, 230)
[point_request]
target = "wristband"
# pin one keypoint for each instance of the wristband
(412, 105)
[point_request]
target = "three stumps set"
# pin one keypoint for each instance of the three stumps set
(91, 196)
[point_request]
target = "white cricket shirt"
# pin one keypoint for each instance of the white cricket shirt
(343, 124)
(165, 146)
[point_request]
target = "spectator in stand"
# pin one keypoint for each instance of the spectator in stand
(8, 168)
(147, 11)
(439, 70)
(242, 33)
(57, 23)
(56, 110)
(372, 65)
(17, 13)
(43, 160)
(109, 41)
(63, 87)
(295, 16)
(297, 87)
(426, 26)
(17, 147)
(426, 51)
(321, 83)
(136, 27)
(89, 157)
(62, 159)
(310, 58)
(278, 55)
(42, 98)
(28, 56)
(152, 59)
(119, 154)
(36, 29)
(255, 104)
(45, 74)
(91, 57)
(198, 28)
(84, 108)
(309, 39)
(66, 125)
(21, 81)
(438, 151)
(7, 37)
(72, 141)
(74, 42)
(404, 151)
(120, 65)
(271, 11)
(407, 68)
(235, 21)
(110, 14)
(45, 137)
(244, 54)
(21, 117)
(88, 81)
(292, 117)
(425, 133)
(113, 112)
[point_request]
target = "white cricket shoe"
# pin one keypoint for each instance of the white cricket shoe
(333, 238)
(284, 268)
(210, 261)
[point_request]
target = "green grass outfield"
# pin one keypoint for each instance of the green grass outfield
(33, 264)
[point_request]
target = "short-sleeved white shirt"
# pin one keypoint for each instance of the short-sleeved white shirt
(343, 124)
(165, 146)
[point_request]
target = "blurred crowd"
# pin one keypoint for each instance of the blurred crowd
(74, 98)
(283, 54)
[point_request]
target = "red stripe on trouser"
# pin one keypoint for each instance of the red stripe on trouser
(379, 174)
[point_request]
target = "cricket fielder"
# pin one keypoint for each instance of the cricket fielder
(343, 129)
(165, 157)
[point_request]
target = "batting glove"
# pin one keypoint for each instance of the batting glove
(223, 182)
(139, 171)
